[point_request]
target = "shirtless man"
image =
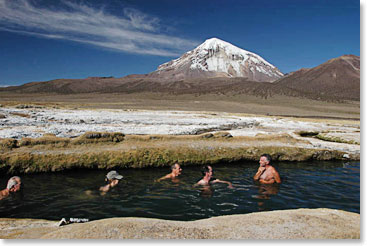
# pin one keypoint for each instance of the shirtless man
(266, 174)
(208, 179)
(12, 186)
(175, 172)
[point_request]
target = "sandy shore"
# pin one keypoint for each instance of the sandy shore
(319, 223)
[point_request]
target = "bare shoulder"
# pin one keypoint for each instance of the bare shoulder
(272, 169)
(165, 177)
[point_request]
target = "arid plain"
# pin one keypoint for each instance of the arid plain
(245, 126)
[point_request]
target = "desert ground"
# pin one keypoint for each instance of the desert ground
(219, 102)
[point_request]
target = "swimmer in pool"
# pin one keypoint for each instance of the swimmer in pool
(13, 185)
(208, 178)
(113, 179)
(266, 174)
(175, 172)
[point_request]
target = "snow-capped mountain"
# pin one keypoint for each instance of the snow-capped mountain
(217, 58)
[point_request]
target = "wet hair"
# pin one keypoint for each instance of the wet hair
(204, 170)
(268, 157)
(12, 182)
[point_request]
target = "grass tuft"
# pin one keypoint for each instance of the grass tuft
(335, 139)
(153, 157)
(97, 150)
(95, 137)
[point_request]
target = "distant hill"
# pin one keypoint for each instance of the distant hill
(336, 79)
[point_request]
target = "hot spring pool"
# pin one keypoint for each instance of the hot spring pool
(75, 193)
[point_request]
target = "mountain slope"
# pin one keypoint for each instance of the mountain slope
(217, 58)
(338, 78)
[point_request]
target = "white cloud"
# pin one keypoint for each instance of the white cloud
(134, 32)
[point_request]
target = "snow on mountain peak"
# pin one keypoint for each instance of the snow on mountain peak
(217, 58)
(213, 43)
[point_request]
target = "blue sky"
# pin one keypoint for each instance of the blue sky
(47, 39)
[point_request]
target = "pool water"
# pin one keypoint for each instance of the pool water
(75, 193)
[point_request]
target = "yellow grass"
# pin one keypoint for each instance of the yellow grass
(101, 151)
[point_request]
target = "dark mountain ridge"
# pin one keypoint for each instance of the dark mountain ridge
(336, 79)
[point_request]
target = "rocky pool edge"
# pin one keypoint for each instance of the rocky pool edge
(319, 223)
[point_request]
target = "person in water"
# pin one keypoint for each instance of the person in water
(13, 185)
(266, 174)
(208, 179)
(112, 179)
(175, 172)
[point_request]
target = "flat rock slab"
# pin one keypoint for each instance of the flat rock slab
(319, 223)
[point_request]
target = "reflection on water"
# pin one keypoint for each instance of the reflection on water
(75, 193)
(265, 192)
(206, 191)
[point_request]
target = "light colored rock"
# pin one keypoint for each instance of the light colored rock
(319, 223)
(346, 156)
(73, 122)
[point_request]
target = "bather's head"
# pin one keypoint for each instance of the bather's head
(207, 170)
(265, 159)
(176, 169)
(113, 177)
(14, 184)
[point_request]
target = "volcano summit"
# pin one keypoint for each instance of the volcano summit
(217, 58)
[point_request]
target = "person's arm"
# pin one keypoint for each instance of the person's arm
(276, 176)
(224, 182)
(262, 181)
(160, 179)
(4, 193)
(105, 188)
(164, 177)
(200, 182)
(259, 172)
(1, 195)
